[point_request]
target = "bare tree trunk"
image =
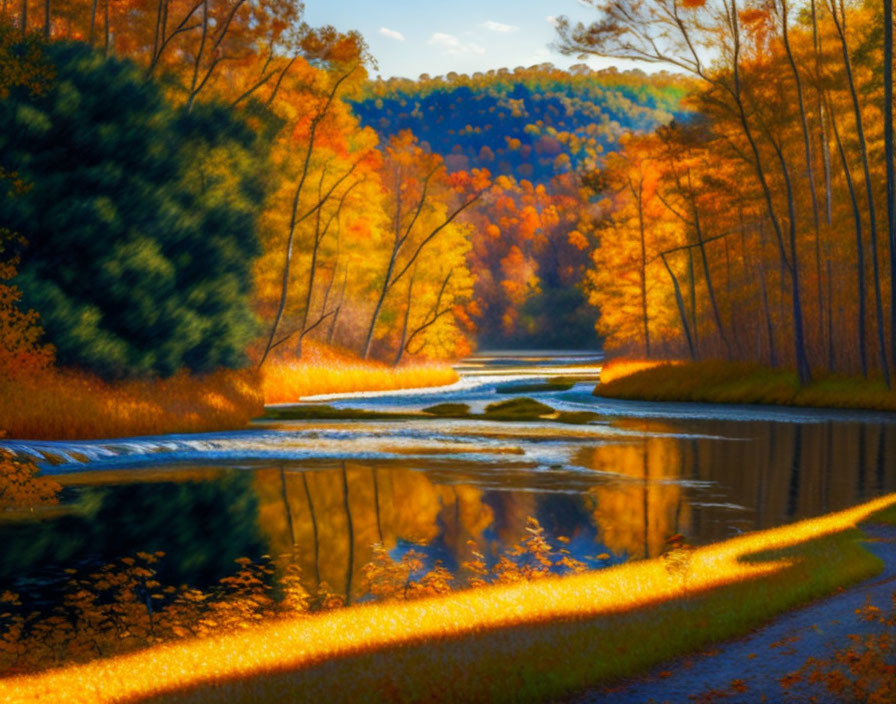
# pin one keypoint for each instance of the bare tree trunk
(24, 17)
(707, 274)
(639, 198)
(92, 33)
(802, 363)
(106, 38)
(47, 20)
(338, 308)
(402, 341)
(431, 318)
(770, 330)
(889, 165)
(839, 23)
(392, 279)
(810, 171)
(692, 287)
(860, 247)
(681, 311)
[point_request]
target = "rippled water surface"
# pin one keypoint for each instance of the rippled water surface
(617, 487)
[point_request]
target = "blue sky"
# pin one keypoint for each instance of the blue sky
(409, 37)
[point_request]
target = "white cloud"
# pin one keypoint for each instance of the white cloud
(391, 33)
(499, 27)
(453, 46)
(550, 19)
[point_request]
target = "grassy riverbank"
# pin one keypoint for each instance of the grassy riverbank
(60, 405)
(525, 642)
(715, 381)
(325, 370)
(57, 404)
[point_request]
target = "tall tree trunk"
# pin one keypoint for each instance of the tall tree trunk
(683, 315)
(692, 290)
(23, 15)
(402, 341)
(810, 171)
(763, 288)
(92, 33)
(639, 198)
(390, 268)
(860, 247)
(332, 333)
(106, 35)
(707, 274)
(889, 164)
(839, 23)
(802, 363)
(47, 20)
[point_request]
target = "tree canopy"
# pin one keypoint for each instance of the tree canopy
(139, 220)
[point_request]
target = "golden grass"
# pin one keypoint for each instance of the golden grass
(323, 370)
(618, 368)
(522, 642)
(66, 405)
(715, 381)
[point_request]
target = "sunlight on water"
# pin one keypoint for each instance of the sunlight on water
(615, 487)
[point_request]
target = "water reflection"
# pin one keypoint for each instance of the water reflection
(705, 479)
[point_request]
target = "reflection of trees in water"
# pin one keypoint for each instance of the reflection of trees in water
(334, 516)
(203, 526)
(777, 472)
(638, 512)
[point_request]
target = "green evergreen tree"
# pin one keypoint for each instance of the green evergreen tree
(139, 220)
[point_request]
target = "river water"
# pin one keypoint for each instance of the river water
(327, 490)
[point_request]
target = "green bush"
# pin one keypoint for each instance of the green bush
(140, 218)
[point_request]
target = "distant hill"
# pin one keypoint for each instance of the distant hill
(535, 129)
(530, 123)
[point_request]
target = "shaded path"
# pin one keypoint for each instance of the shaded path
(761, 658)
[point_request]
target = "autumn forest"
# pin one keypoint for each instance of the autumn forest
(380, 339)
(707, 211)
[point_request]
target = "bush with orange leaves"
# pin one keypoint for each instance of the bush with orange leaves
(20, 487)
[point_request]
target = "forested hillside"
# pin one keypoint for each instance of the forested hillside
(530, 123)
(539, 129)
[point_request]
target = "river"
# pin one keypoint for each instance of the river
(611, 490)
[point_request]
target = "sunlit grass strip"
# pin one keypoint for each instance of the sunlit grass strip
(523, 642)
(618, 368)
(715, 381)
(325, 371)
(66, 405)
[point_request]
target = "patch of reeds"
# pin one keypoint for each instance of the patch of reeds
(323, 370)
(63, 405)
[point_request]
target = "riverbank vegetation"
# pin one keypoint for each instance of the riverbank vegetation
(60, 405)
(764, 228)
(323, 370)
(715, 381)
(469, 645)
